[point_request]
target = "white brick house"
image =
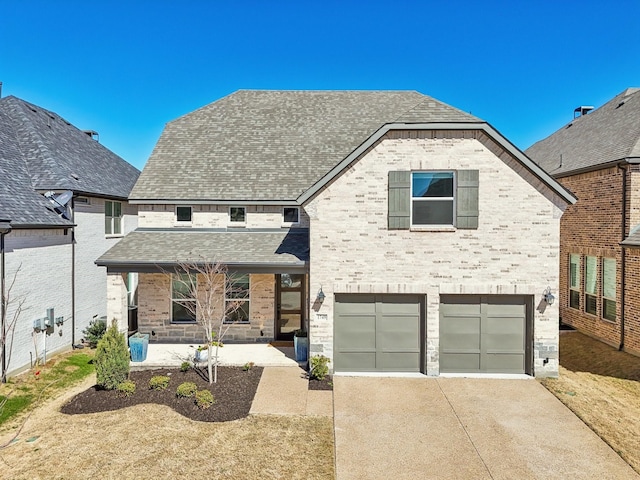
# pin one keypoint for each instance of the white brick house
(50, 254)
(424, 241)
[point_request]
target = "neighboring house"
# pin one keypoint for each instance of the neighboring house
(41, 153)
(404, 234)
(597, 157)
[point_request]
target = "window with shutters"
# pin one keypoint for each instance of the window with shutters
(433, 200)
(590, 280)
(574, 281)
(609, 288)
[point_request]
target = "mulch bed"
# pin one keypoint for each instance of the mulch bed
(233, 394)
(326, 384)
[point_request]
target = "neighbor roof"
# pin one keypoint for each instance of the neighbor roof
(40, 151)
(604, 136)
(153, 249)
(273, 145)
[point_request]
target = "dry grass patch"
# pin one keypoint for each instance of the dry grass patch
(600, 385)
(153, 441)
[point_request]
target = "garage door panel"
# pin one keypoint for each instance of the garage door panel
(505, 363)
(377, 333)
(460, 363)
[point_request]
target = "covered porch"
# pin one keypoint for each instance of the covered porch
(269, 265)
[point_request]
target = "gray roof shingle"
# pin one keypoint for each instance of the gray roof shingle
(41, 151)
(273, 145)
(607, 134)
(158, 247)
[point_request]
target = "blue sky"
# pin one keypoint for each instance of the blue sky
(124, 69)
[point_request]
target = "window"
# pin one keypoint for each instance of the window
(432, 198)
(590, 278)
(183, 303)
(112, 218)
(574, 280)
(237, 299)
(290, 215)
(609, 288)
(183, 214)
(237, 215)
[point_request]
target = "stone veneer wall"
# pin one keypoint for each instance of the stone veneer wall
(154, 312)
(515, 250)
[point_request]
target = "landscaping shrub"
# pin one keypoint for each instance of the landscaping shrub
(185, 366)
(186, 389)
(112, 359)
(159, 382)
(126, 388)
(94, 332)
(319, 367)
(204, 399)
(248, 366)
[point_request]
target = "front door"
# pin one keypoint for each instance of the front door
(290, 302)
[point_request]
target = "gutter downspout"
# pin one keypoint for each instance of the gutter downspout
(73, 274)
(4, 229)
(623, 255)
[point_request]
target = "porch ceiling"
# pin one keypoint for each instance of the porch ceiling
(251, 250)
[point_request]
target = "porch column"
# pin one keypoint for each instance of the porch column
(117, 301)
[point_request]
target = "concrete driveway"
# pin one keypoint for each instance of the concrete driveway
(461, 428)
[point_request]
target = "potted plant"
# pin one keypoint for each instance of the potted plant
(202, 353)
(138, 344)
(301, 345)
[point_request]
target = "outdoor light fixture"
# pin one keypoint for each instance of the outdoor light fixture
(548, 297)
(321, 295)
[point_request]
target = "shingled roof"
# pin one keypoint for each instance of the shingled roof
(40, 151)
(604, 136)
(273, 145)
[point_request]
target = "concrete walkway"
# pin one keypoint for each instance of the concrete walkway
(285, 391)
(461, 428)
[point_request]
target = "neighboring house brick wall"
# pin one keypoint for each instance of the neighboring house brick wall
(154, 311)
(593, 226)
(632, 301)
(514, 250)
(43, 258)
(215, 216)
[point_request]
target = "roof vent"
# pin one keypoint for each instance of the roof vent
(582, 110)
(93, 134)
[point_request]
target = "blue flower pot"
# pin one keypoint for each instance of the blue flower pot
(138, 344)
(301, 346)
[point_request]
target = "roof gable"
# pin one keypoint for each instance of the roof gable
(608, 134)
(273, 145)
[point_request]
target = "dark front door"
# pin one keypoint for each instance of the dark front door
(290, 301)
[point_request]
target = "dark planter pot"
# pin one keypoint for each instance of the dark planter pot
(138, 344)
(301, 346)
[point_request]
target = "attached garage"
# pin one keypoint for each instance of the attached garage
(378, 333)
(485, 334)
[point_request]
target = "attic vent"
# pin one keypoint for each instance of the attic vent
(75, 176)
(582, 110)
(93, 134)
(82, 200)
(620, 104)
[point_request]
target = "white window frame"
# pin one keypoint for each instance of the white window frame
(228, 297)
(575, 288)
(288, 224)
(175, 299)
(184, 222)
(110, 221)
(608, 298)
(423, 226)
(236, 223)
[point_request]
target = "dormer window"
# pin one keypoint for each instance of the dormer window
(184, 214)
(237, 216)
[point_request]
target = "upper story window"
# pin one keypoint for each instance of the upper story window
(574, 280)
(183, 214)
(238, 215)
(291, 215)
(590, 280)
(432, 200)
(112, 218)
(609, 288)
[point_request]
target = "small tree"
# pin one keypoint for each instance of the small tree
(9, 322)
(212, 300)
(112, 359)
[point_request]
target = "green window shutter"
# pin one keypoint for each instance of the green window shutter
(467, 199)
(399, 200)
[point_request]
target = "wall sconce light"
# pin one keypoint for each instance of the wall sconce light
(548, 297)
(321, 295)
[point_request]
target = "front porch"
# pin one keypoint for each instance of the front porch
(161, 355)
